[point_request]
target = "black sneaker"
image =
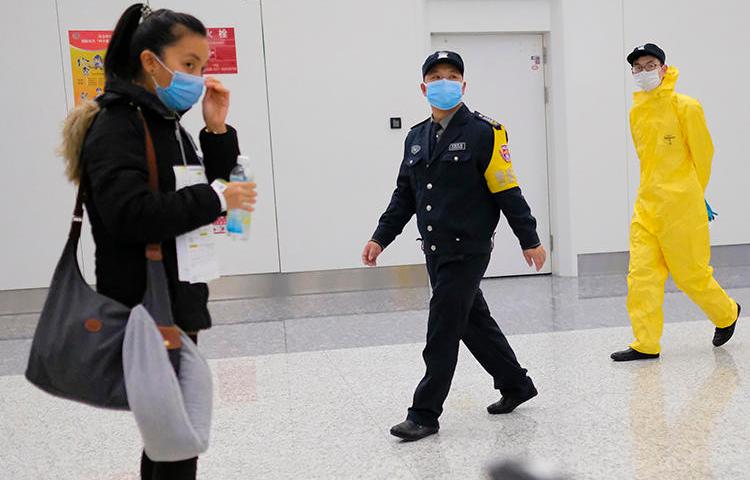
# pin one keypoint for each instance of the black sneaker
(412, 431)
(630, 355)
(722, 335)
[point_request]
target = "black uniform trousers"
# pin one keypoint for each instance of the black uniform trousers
(459, 312)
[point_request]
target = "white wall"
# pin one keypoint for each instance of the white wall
(338, 69)
(447, 16)
(595, 167)
(561, 210)
(587, 56)
(35, 202)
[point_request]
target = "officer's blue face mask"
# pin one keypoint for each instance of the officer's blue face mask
(183, 91)
(444, 94)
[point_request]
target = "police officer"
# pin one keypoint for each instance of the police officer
(457, 176)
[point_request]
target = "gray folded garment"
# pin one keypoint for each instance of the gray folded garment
(173, 412)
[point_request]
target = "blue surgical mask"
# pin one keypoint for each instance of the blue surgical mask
(444, 94)
(183, 91)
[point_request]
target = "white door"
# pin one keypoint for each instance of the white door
(505, 81)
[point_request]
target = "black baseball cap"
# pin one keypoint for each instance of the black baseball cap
(647, 49)
(443, 56)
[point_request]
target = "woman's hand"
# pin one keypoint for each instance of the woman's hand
(240, 195)
(215, 105)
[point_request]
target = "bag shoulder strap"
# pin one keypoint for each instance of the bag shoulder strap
(76, 223)
(153, 250)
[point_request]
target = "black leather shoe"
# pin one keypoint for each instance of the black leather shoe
(722, 335)
(630, 355)
(508, 404)
(411, 431)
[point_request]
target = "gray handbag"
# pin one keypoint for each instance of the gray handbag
(76, 353)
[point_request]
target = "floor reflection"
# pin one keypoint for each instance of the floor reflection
(679, 449)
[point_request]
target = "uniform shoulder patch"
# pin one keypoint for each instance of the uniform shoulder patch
(495, 124)
(420, 123)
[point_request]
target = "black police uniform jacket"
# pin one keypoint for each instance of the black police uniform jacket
(459, 189)
(126, 215)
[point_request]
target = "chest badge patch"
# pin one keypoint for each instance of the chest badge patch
(457, 147)
(415, 149)
(505, 153)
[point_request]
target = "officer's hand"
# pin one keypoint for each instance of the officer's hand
(535, 256)
(371, 253)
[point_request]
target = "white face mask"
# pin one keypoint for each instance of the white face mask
(647, 81)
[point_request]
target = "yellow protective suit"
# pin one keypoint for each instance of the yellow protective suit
(669, 230)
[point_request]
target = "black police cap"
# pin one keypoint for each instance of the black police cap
(443, 56)
(647, 49)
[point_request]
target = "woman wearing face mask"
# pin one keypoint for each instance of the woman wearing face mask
(669, 230)
(153, 67)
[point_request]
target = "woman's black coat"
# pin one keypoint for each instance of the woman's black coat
(126, 214)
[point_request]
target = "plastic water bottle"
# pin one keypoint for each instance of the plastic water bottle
(239, 220)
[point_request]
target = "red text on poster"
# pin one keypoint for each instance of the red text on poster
(223, 51)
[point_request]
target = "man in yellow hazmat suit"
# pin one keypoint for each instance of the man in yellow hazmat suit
(669, 230)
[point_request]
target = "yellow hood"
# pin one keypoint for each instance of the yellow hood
(666, 88)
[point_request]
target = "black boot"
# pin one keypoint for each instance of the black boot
(630, 354)
(722, 335)
(411, 431)
(508, 404)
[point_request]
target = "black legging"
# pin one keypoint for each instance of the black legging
(182, 470)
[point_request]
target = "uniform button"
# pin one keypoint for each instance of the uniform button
(458, 239)
(429, 186)
(455, 159)
(429, 228)
(429, 208)
(411, 162)
(433, 248)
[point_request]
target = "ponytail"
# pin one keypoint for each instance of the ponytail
(117, 60)
(139, 29)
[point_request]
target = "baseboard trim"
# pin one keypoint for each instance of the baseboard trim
(616, 263)
(30, 301)
(326, 281)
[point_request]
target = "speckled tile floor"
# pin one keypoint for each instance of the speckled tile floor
(313, 396)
